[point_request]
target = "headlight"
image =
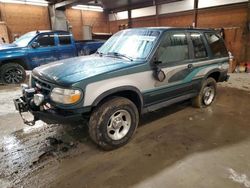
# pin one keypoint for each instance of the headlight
(65, 96)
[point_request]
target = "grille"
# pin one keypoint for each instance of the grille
(42, 86)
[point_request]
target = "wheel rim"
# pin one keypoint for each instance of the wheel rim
(119, 124)
(13, 76)
(208, 95)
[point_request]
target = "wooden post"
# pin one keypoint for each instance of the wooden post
(129, 19)
(196, 2)
(247, 41)
(157, 13)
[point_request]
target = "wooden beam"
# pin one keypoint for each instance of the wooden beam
(247, 43)
(129, 19)
(156, 13)
(196, 2)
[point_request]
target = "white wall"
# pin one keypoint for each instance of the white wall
(118, 16)
(179, 6)
(148, 11)
(211, 3)
(176, 6)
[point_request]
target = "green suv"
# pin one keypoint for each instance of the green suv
(136, 71)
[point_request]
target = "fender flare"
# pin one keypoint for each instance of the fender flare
(215, 70)
(19, 60)
(117, 90)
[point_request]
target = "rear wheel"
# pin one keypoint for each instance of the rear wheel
(12, 73)
(206, 95)
(113, 123)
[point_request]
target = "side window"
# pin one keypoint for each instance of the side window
(216, 44)
(46, 40)
(198, 44)
(64, 39)
(173, 48)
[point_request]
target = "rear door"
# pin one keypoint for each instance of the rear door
(45, 52)
(66, 48)
(200, 58)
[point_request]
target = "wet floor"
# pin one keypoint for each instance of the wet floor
(178, 146)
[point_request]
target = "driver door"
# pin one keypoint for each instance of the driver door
(173, 53)
(45, 52)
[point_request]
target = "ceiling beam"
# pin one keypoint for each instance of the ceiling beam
(115, 6)
(132, 5)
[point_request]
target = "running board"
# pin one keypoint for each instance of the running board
(168, 103)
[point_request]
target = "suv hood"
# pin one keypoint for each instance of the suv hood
(70, 71)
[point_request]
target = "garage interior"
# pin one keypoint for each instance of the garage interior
(177, 146)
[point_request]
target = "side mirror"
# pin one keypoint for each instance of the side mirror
(35, 45)
(157, 62)
(159, 75)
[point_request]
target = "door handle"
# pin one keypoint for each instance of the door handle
(190, 66)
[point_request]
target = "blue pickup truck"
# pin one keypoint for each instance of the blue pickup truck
(38, 48)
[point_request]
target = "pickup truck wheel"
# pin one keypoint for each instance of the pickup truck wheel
(113, 123)
(206, 95)
(12, 73)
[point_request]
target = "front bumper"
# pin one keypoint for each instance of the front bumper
(45, 113)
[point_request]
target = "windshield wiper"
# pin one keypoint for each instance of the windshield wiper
(116, 54)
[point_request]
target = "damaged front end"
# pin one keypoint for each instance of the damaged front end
(37, 103)
(30, 101)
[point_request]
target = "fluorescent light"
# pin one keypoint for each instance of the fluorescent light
(179, 35)
(12, 1)
(27, 2)
(88, 7)
(37, 1)
(37, 4)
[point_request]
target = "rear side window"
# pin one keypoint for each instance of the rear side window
(173, 47)
(216, 44)
(46, 40)
(198, 45)
(64, 39)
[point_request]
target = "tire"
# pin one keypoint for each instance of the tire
(12, 73)
(206, 95)
(113, 123)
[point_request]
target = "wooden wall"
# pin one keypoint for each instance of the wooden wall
(232, 18)
(3, 32)
(21, 19)
(24, 18)
(77, 18)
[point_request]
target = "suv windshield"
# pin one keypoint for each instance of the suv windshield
(131, 44)
(25, 39)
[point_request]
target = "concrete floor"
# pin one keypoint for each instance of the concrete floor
(178, 146)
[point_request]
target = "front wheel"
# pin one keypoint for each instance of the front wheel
(12, 73)
(206, 95)
(113, 123)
